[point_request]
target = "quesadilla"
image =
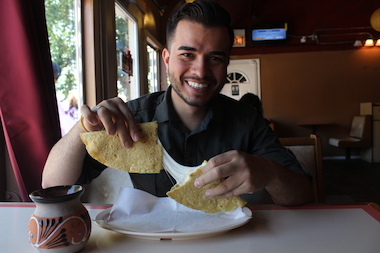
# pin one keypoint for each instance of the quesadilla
(143, 157)
(195, 198)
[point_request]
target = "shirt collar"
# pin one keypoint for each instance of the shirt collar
(165, 111)
(162, 110)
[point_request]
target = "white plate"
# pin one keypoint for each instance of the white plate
(167, 235)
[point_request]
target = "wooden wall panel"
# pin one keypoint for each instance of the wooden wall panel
(320, 86)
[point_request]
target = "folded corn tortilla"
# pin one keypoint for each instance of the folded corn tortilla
(143, 157)
(195, 198)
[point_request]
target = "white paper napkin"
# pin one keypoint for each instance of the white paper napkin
(139, 211)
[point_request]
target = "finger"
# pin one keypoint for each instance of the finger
(115, 116)
(90, 120)
(109, 113)
(218, 160)
(124, 121)
(130, 122)
(241, 182)
(123, 132)
(227, 188)
(214, 169)
(105, 115)
(213, 174)
(120, 119)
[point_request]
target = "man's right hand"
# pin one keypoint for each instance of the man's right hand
(114, 116)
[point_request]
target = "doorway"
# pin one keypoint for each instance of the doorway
(243, 76)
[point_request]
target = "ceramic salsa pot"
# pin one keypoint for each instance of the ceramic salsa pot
(60, 223)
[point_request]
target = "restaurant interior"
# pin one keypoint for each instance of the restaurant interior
(315, 81)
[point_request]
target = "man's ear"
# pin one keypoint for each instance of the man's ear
(165, 57)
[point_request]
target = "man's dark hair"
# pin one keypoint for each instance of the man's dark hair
(252, 100)
(205, 12)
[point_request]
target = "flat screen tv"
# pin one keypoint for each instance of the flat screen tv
(269, 34)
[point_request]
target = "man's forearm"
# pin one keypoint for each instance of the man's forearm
(65, 161)
(289, 187)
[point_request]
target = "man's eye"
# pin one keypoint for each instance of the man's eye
(216, 59)
(187, 55)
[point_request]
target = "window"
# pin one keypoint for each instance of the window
(236, 77)
(62, 18)
(152, 69)
(126, 50)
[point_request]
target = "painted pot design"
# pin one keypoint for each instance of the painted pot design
(60, 223)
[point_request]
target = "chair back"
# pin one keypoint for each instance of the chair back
(308, 152)
(361, 127)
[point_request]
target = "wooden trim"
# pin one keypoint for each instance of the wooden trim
(99, 47)
(106, 59)
(88, 53)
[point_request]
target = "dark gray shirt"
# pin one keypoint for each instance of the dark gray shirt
(228, 125)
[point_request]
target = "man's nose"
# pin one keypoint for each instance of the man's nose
(200, 67)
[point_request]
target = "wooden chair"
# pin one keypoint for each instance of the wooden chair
(360, 135)
(308, 151)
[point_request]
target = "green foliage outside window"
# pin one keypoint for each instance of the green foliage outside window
(60, 19)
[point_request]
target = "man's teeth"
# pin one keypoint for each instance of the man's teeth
(197, 85)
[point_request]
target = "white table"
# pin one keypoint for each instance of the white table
(316, 228)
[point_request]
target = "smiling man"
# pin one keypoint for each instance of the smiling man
(196, 60)
(195, 123)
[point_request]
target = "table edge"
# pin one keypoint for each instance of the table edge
(371, 208)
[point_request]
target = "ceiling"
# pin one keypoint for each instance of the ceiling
(313, 25)
(303, 17)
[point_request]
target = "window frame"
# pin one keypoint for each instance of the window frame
(152, 42)
(134, 48)
(99, 50)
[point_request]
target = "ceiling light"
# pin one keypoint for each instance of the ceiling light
(369, 43)
(358, 43)
(377, 43)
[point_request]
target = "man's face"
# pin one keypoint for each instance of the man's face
(197, 62)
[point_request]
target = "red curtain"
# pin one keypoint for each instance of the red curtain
(28, 107)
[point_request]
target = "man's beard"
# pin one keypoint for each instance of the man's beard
(176, 84)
